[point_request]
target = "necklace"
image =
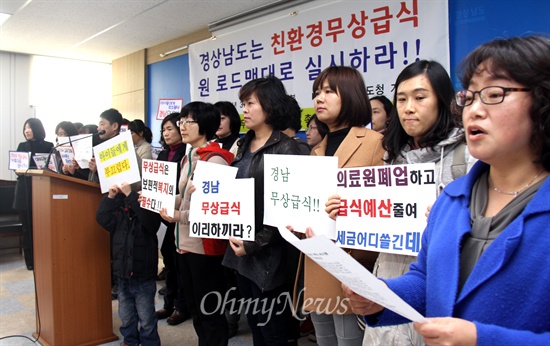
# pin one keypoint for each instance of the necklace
(514, 193)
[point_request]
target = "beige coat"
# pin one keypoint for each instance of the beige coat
(361, 147)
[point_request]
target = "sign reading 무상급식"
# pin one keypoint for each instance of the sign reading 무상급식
(296, 188)
(221, 206)
(378, 38)
(158, 185)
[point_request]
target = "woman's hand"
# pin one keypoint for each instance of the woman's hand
(164, 214)
(91, 165)
(447, 331)
(75, 164)
(359, 304)
(427, 213)
(238, 246)
(68, 169)
(332, 206)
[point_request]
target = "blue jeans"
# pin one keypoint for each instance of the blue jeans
(136, 304)
(341, 330)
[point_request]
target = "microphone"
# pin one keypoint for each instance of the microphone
(47, 168)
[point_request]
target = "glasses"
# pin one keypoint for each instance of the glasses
(181, 123)
(311, 128)
(491, 95)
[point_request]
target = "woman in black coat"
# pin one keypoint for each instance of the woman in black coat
(34, 133)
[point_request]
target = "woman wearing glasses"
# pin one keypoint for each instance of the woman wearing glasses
(199, 260)
(421, 129)
(482, 275)
(316, 131)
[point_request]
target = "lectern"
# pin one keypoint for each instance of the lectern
(71, 262)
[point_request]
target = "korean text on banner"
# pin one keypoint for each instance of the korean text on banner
(158, 185)
(378, 38)
(296, 188)
(382, 207)
(116, 161)
(19, 160)
(351, 273)
(221, 206)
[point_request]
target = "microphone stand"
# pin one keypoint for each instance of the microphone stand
(47, 168)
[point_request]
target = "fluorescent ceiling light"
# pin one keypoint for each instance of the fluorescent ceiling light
(4, 17)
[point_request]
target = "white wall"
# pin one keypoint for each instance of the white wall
(14, 105)
(50, 89)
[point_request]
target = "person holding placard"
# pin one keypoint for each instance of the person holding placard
(342, 103)
(228, 136)
(199, 260)
(482, 274)
(34, 133)
(262, 271)
(66, 129)
(134, 254)
(175, 308)
(110, 122)
(421, 129)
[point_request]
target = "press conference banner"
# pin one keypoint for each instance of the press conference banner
(378, 38)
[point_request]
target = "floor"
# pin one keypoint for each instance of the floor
(17, 314)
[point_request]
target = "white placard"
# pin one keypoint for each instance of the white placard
(158, 185)
(41, 159)
(221, 207)
(66, 154)
(116, 161)
(83, 151)
(19, 160)
(208, 170)
(382, 207)
(296, 188)
(350, 272)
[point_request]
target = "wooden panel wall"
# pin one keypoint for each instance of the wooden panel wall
(130, 74)
(129, 85)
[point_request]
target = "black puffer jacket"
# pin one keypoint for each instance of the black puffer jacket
(264, 262)
(133, 233)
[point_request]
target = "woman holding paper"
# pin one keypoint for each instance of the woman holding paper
(34, 133)
(342, 103)
(198, 260)
(262, 270)
(482, 275)
(175, 308)
(421, 129)
(64, 130)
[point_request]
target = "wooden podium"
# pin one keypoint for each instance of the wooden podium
(71, 262)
